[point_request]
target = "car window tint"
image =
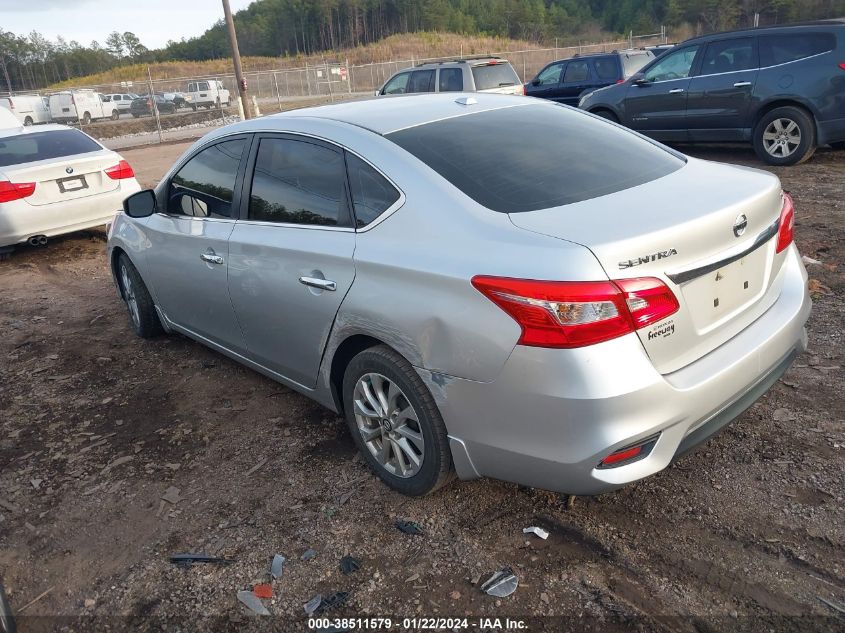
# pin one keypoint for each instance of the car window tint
(550, 75)
(397, 85)
(728, 56)
(606, 68)
(421, 81)
(203, 186)
(631, 64)
(297, 182)
(674, 65)
(26, 148)
(780, 49)
(451, 80)
(494, 75)
(372, 194)
(513, 177)
(576, 71)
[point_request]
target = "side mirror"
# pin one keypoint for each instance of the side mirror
(640, 80)
(535, 82)
(141, 204)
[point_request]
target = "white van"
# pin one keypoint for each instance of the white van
(206, 94)
(28, 109)
(72, 106)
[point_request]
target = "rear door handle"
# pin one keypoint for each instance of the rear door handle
(740, 84)
(315, 282)
(211, 259)
(676, 91)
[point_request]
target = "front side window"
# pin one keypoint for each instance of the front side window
(780, 49)
(468, 152)
(451, 80)
(397, 85)
(728, 56)
(297, 182)
(203, 187)
(421, 81)
(576, 71)
(674, 65)
(550, 75)
(372, 194)
(606, 69)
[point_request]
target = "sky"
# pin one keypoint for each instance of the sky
(153, 21)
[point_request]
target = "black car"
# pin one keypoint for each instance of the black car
(143, 106)
(566, 80)
(781, 88)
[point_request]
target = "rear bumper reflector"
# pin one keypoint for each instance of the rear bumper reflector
(629, 454)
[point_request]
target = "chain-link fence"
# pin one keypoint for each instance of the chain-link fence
(210, 100)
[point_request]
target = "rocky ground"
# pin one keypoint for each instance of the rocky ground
(116, 453)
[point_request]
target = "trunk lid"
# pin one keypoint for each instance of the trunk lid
(87, 177)
(680, 229)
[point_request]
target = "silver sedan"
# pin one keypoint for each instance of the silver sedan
(485, 285)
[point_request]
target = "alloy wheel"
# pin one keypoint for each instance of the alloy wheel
(388, 425)
(781, 137)
(129, 295)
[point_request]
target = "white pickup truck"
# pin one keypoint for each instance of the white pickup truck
(206, 94)
(83, 106)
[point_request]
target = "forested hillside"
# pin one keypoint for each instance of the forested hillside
(277, 28)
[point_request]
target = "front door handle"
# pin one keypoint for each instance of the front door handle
(741, 84)
(211, 259)
(315, 282)
(676, 91)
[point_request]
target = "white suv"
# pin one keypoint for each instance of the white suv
(121, 101)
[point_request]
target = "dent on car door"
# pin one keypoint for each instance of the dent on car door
(188, 259)
(291, 253)
(657, 104)
(720, 94)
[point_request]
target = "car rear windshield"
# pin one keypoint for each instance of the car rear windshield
(28, 148)
(530, 157)
(494, 75)
(631, 64)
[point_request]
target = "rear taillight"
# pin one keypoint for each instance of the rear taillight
(120, 171)
(564, 314)
(842, 65)
(523, 90)
(786, 224)
(620, 81)
(10, 191)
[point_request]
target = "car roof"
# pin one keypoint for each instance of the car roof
(775, 29)
(472, 61)
(384, 115)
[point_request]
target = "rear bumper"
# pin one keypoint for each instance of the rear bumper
(552, 415)
(832, 131)
(19, 220)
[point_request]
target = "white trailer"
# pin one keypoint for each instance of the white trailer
(81, 106)
(28, 109)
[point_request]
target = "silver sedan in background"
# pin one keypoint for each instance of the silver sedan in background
(488, 285)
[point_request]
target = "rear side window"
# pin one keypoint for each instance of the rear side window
(203, 187)
(728, 56)
(297, 182)
(780, 49)
(606, 68)
(27, 148)
(451, 80)
(494, 75)
(372, 194)
(528, 172)
(576, 71)
(421, 81)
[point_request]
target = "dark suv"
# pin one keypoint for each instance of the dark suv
(566, 80)
(782, 88)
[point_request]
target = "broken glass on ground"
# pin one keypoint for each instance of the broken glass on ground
(251, 602)
(501, 584)
(190, 559)
(349, 564)
(409, 527)
(277, 566)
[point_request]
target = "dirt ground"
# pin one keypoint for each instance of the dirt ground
(96, 425)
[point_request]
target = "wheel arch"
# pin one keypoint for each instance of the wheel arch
(792, 102)
(345, 351)
(113, 257)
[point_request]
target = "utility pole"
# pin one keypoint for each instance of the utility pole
(236, 58)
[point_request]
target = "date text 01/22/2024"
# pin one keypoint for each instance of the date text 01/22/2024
(418, 624)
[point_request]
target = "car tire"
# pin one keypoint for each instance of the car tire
(193, 107)
(785, 136)
(139, 303)
(115, 115)
(28, 121)
(607, 114)
(86, 118)
(135, 116)
(381, 369)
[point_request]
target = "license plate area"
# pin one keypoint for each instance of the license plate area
(72, 183)
(718, 294)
